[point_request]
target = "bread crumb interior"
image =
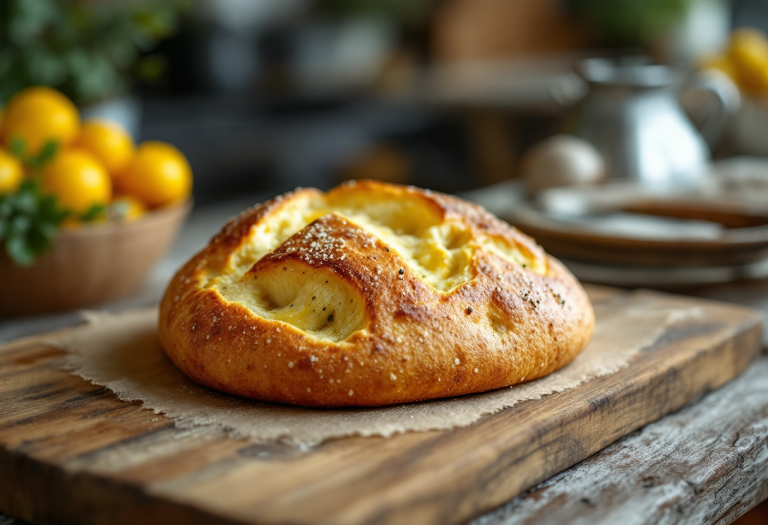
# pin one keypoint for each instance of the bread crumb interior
(315, 301)
(438, 251)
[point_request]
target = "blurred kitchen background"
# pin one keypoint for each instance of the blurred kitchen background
(266, 95)
(629, 137)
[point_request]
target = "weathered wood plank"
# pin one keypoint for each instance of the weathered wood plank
(706, 464)
(609, 484)
(72, 453)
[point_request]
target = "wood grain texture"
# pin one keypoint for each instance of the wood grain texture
(706, 464)
(72, 452)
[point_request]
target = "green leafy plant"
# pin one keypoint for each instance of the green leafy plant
(632, 22)
(89, 51)
(31, 218)
(29, 221)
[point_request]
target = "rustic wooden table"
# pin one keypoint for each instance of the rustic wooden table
(705, 464)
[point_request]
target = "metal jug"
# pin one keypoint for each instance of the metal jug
(631, 113)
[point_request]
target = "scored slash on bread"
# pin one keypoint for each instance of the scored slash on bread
(370, 294)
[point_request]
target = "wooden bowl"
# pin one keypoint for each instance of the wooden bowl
(90, 265)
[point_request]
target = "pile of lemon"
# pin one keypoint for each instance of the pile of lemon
(96, 162)
(745, 61)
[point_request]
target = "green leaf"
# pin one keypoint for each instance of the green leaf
(29, 19)
(30, 220)
(19, 225)
(121, 52)
(38, 239)
(19, 251)
(45, 156)
(17, 146)
(26, 203)
(49, 209)
(95, 212)
(44, 67)
(6, 207)
(49, 230)
(30, 186)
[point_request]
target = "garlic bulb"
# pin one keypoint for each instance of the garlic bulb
(562, 160)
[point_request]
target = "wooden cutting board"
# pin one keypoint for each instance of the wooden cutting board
(71, 452)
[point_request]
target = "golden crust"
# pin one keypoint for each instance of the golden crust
(400, 339)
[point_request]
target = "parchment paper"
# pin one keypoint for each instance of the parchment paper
(122, 353)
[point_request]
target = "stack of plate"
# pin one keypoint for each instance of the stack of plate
(619, 234)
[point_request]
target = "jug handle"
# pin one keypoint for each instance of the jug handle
(710, 88)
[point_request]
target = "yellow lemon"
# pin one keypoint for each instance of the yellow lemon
(109, 142)
(38, 115)
(11, 173)
(723, 64)
(126, 209)
(78, 180)
(749, 52)
(158, 174)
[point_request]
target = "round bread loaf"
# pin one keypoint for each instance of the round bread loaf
(370, 294)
